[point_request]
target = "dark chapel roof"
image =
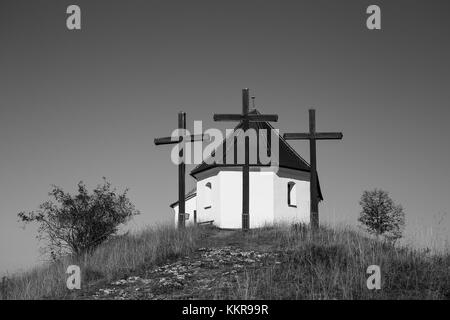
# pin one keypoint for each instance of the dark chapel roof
(288, 157)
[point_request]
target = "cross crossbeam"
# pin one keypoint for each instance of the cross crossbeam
(175, 140)
(316, 136)
(312, 136)
(246, 118)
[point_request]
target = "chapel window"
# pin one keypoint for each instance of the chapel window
(208, 195)
(291, 194)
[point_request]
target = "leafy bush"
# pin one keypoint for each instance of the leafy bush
(78, 224)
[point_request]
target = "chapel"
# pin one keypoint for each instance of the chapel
(277, 193)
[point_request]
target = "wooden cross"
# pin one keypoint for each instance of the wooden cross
(246, 118)
(312, 136)
(181, 165)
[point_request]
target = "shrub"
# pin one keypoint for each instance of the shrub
(78, 224)
(381, 216)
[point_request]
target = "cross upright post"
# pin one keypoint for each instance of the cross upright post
(182, 138)
(182, 175)
(246, 166)
(312, 136)
(246, 118)
(314, 195)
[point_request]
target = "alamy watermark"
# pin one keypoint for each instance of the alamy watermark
(73, 20)
(74, 279)
(374, 280)
(264, 150)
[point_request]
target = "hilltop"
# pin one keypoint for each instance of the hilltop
(278, 262)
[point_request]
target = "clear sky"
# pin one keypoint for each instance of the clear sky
(79, 105)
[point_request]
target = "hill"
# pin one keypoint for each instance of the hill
(277, 262)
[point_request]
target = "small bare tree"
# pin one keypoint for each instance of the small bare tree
(78, 224)
(380, 216)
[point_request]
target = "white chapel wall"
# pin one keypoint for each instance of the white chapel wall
(268, 198)
(261, 199)
(231, 194)
(190, 206)
(208, 206)
(285, 213)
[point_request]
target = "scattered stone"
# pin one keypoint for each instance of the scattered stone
(206, 270)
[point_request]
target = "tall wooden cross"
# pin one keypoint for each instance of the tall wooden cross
(312, 136)
(182, 165)
(246, 118)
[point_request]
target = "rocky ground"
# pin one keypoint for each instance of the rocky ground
(206, 274)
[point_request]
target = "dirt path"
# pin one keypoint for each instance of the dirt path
(210, 272)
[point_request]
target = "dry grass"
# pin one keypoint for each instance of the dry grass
(330, 265)
(121, 256)
(333, 264)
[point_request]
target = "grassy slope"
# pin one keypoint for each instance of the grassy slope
(119, 257)
(332, 265)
